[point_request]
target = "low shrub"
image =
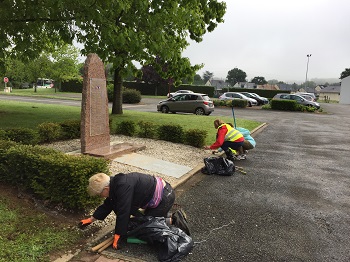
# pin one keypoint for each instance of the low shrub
(195, 137)
(49, 132)
(25, 136)
(127, 128)
(286, 105)
(172, 133)
(131, 96)
(70, 129)
(146, 129)
(51, 175)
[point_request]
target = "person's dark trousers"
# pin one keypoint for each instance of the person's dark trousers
(165, 205)
(234, 145)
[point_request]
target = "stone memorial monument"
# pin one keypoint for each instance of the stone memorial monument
(95, 135)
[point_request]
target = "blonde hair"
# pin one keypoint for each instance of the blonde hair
(97, 183)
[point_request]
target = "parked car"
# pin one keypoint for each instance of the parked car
(261, 100)
(300, 100)
(309, 94)
(308, 97)
(196, 103)
(179, 92)
(236, 95)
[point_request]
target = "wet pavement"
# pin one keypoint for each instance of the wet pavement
(293, 203)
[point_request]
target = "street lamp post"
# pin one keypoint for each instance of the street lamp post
(307, 69)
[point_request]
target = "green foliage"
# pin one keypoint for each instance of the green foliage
(127, 128)
(345, 73)
(49, 132)
(70, 129)
(131, 96)
(218, 102)
(146, 129)
(236, 75)
(110, 92)
(172, 133)
(259, 80)
(25, 136)
(48, 173)
(195, 137)
(231, 103)
(109, 29)
(283, 104)
(34, 239)
(72, 85)
(3, 135)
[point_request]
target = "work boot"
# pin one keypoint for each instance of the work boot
(229, 155)
(179, 220)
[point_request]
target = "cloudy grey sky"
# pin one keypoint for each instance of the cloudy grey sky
(271, 38)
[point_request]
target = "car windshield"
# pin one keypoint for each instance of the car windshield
(206, 98)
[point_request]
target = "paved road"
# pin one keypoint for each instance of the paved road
(292, 205)
(146, 105)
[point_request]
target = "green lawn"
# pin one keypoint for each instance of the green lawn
(29, 115)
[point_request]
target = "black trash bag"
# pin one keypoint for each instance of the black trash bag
(173, 243)
(218, 166)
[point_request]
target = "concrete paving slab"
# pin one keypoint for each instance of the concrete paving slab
(153, 164)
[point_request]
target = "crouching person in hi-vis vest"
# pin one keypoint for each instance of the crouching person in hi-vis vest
(226, 137)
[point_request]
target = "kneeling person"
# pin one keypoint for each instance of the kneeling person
(125, 194)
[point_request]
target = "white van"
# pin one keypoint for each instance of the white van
(44, 83)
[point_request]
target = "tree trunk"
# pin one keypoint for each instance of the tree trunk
(117, 94)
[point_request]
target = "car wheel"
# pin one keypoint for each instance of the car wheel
(250, 104)
(164, 109)
(199, 111)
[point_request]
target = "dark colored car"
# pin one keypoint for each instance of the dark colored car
(196, 103)
(300, 100)
(261, 100)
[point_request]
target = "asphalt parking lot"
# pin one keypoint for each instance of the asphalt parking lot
(293, 203)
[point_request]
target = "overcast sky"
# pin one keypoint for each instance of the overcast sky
(271, 38)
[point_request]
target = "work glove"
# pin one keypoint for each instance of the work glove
(84, 223)
(115, 241)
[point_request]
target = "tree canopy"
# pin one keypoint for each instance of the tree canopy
(345, 73)
(259, 80)
(119, 32)
(207, 76)
(236, 75)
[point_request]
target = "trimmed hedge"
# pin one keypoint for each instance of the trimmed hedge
(49, 174)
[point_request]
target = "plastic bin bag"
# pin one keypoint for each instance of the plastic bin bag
(173, 244)
(218, 166)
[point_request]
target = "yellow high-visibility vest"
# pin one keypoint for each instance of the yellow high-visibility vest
(232, 134)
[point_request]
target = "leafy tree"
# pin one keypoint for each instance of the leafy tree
(119, 32)
(58, 65)
(207, 76)
(65, 65)
(259, 80)
(345, 73)
(236, 75)
(198, 80)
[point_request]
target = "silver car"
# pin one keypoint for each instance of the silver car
(235, 95)
(179, 92)
(196, 103)
(300, 100)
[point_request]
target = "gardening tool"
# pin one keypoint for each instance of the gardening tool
(234, 118)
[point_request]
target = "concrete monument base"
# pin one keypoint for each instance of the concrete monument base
(113, 151)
